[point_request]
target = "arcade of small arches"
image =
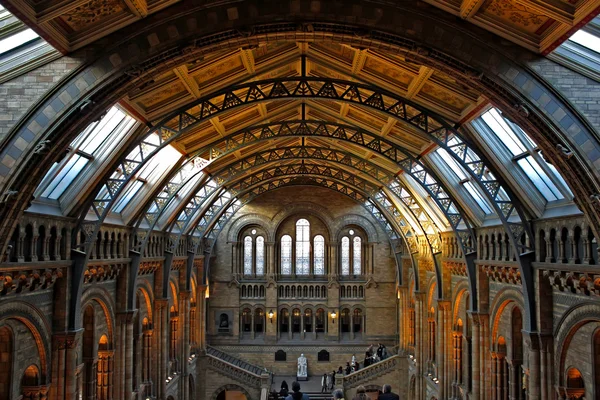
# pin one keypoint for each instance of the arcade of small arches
(192, 195)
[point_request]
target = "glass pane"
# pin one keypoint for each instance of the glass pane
(452, 163)
(319, 255)
(247, 255)
(506, 135)
(105, 129)
(586, 39)
(129, 194)
(482, 201)
(302, 247)
(345, 256)
(539, 178)
(286, 255)
(65, 177)
(260, 255)
(357, 256)
(17, 40)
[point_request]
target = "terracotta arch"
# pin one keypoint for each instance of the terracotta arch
(230, 387)
(503, 298)
(33, 319)
(571, 321)
(105, 301)
(240, 223)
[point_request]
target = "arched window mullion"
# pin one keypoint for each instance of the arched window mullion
(319, 255)
(345, 256)
(302, 247)
(248, 256)
(357, 256)
(259, 259)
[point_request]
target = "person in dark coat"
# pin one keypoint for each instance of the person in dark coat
(284, 391)
(332, 382)
(387, 394)
(380, 352)
(340, 371)
(348, 368)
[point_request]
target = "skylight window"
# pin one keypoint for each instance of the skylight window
(21, 48)
(525, 154)
(95, 142)
(464, 180)
(581, 52)
(16, 40)
(586, 39)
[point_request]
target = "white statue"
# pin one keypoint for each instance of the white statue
(302, 368)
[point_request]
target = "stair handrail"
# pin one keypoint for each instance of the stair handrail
(374, 370)
(240, 364)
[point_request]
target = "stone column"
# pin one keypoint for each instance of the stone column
(420, 343)
(532, 341)
(270, 258)
(160, 355)
(548, 248)
(443, 348)
(184, 341)
(494, 373)
(475, 358)
(201, 317)
(64, 365)
(124, 357)
(333, 262)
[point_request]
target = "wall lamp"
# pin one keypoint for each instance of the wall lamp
(333, 315)
(271, 315)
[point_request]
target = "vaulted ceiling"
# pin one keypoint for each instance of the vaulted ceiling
(538, 25)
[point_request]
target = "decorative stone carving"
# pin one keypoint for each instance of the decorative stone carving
(565, 152)
(41, 147)
(28, 280)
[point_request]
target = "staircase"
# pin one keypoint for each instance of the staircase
(236, 368)
(365, 375)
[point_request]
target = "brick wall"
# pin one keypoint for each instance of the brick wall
(22, 92)
(582, 92)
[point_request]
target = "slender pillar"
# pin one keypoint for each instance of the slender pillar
(475, 357)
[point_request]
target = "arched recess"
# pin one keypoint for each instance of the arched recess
(32, 318)
(240, 223)
(230, 387)
(104, 300)
(358, 220)
(580, 323)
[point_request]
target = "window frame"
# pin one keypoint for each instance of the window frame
(578, 57)
(507, 164)
(345, 234)
(294, 253)
(97, 160)
(248, 233)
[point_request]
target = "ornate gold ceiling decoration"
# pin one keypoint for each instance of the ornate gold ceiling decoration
(71, 24)
(539, 25)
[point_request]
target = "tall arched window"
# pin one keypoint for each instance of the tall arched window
(319, 255)
(286, 255)
(260, 255)
(356, 256)
(302, 247)
(247, 255)
(345, 256)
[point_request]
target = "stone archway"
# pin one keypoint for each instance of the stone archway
(235, 393)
